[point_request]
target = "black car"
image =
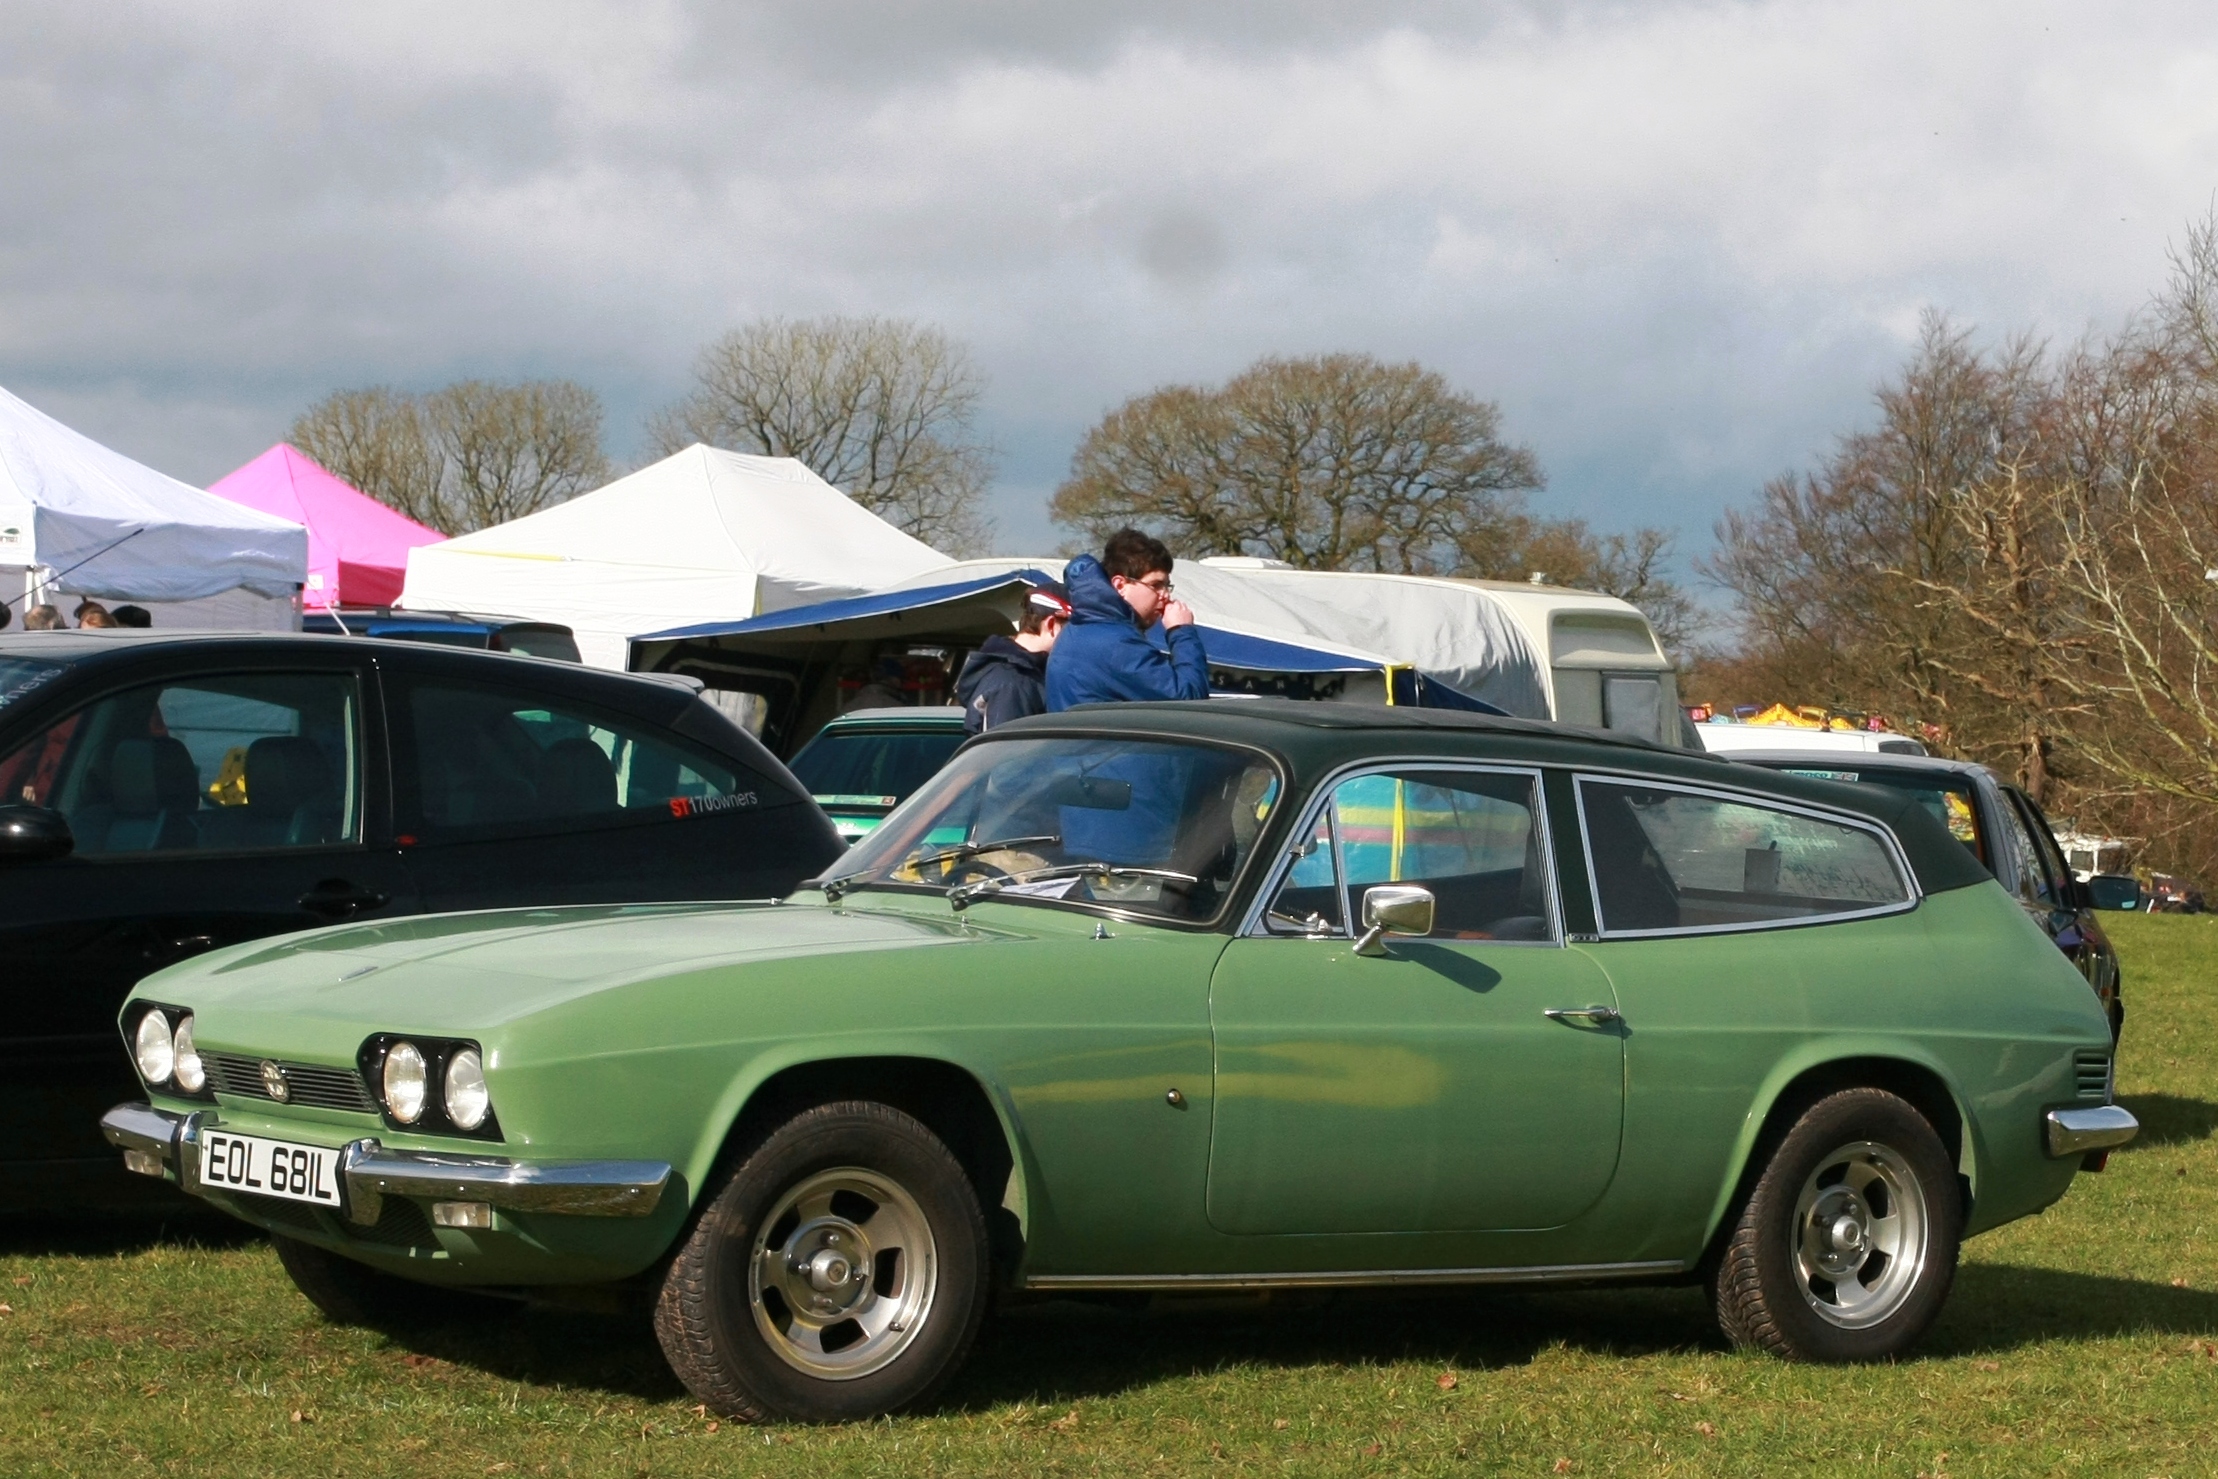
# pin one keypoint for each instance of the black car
(2003, 828)
(448, 629)
(164, 794)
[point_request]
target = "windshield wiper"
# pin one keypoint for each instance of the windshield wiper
(962, 850)
(962, 895)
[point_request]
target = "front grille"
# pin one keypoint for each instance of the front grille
(2091, 1072)
(310, 1084)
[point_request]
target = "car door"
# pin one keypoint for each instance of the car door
(219, 805)
(2046, 887)
(1426, 1089)
(1734, 928)
(511, 795)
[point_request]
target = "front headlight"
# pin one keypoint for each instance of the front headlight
(191, 1072)
(404, 1082)
(153, 1048)
(466, 1096)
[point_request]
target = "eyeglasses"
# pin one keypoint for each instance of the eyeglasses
(1160, 587)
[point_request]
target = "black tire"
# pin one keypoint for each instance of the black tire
(1773, 1289)
(350, 1293)
(734, 1334)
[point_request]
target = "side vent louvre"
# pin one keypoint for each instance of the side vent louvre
(2091, 1070)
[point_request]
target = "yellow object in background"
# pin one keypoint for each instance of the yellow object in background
(229, 786)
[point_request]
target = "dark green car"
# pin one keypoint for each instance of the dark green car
(1205, 996)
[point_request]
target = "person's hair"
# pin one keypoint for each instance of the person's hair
(7, 614)
(42, 618)
(132, 616)
(97, 619)
(1135, 554)
(1043, 604)
(85, 607)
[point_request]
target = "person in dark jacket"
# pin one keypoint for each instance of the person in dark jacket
(1006, 678)
(1106, 657)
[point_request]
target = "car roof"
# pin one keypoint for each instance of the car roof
(1316, 738)
(934, 715)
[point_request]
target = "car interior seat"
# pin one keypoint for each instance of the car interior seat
(289, 799)
(153, 796)
(576, 779)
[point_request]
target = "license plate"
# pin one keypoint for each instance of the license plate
(270, 1168)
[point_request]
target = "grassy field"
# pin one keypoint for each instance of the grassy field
(2084, 1341)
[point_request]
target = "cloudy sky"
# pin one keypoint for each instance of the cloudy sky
(1678, 242)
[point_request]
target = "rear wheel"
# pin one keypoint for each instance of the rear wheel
(1847, 1246)
(840, 1272)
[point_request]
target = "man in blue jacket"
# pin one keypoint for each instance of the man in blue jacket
(1105, 656)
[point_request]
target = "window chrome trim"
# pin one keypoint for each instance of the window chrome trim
(1903, 871)
(1321, 801)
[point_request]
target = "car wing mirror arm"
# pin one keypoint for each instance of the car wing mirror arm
(1393, 909)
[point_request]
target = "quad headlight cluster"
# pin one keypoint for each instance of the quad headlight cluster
(162, 1047)
(434, 1084)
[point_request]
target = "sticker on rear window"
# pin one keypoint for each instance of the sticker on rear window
(701, 806)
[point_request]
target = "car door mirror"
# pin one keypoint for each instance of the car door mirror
(32, 834)
(1393, 909)
(2113, 891)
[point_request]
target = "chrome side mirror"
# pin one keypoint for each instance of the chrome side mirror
(1393, 909)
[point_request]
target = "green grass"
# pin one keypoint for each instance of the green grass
(2084, 1340)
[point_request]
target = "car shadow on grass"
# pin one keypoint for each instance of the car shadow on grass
(1066, 1350)
(2170, 1119)
(106, 1234)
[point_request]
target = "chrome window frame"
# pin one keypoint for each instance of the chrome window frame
(1912, 895)
(1320, 801)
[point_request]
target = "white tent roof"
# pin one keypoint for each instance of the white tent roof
(106, 526)
(1454, 631)
(698, 536)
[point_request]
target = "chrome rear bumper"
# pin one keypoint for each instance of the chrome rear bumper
(155, 1141)
(2097, 1127)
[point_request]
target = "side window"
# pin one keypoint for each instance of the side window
(247, 762)
(1672, 860)
(488, 759)
(1470, 837)
(2028, 873)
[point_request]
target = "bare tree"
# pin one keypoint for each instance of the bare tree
(1339, 462)
(375, 440)
(880, 408)
(465, 457)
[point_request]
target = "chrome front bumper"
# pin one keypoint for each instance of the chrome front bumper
(155, 1141)
(2097, 1127)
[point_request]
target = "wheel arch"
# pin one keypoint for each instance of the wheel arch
(954, 1100)
(1800, 1081)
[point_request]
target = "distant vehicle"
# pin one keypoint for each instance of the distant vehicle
(862, 765)
(1733, 739)
(2117, 891)
(2170, 894)
(2002, 827)
(448, 629)
(170, 794)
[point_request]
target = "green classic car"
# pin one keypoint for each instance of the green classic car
(1204, 996)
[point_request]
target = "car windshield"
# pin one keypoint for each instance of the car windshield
(1947, 796)
(867, 766)
(20, 675)
(1156, 828)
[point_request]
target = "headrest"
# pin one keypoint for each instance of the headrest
(151, 775)
(575, 776)
(285, 772)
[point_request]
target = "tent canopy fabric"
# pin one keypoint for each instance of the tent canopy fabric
(1452, 632)
(106, 526)
(700, 532)
(968, 609)
(357, 547)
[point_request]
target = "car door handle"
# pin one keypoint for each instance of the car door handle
(1594, 1016)
(335, 898)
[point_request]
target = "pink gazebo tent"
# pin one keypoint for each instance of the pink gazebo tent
(357, 547)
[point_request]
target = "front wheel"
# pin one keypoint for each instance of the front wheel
(1847, 1246)
(840, 1272)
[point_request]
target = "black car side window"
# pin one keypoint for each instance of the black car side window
(247, 762)
(1670, 860)
(493, 759)
(2027, 874)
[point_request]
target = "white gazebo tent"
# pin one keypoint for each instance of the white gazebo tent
(78, 519)
(698, 536)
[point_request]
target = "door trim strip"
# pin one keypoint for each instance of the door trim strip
(1551, 1273)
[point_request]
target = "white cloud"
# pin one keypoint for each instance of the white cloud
(1677, 241)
